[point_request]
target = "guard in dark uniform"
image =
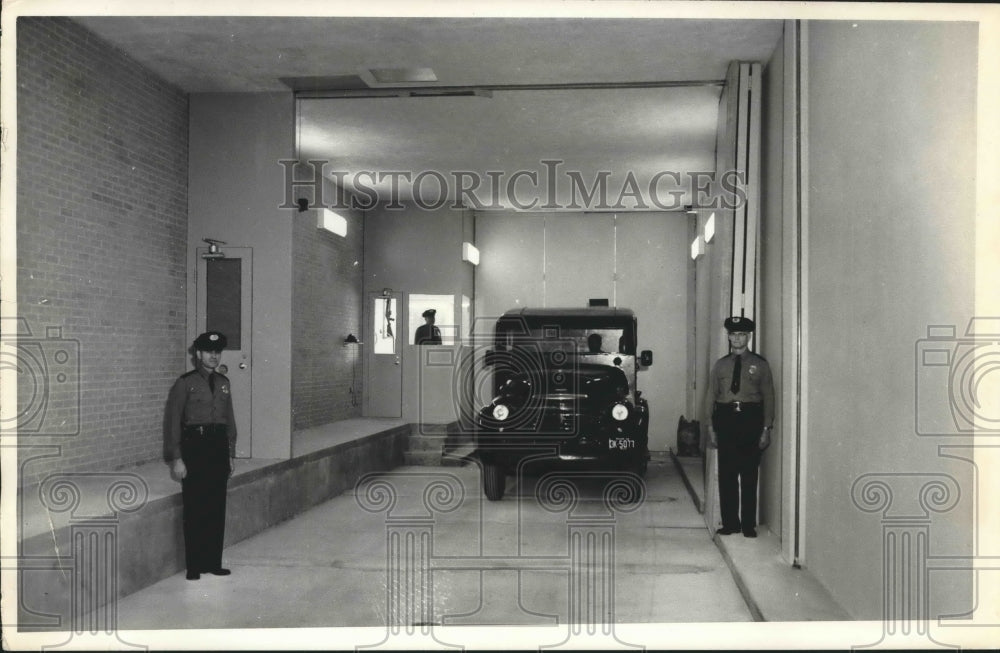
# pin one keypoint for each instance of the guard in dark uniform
(741, 400)
(200, 446)
(427, 333)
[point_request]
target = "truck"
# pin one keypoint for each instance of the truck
(564, 391)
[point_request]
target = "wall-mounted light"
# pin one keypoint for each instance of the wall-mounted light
(214, 251)
(470, 253)
(332, 222)
(697, 247)
(710, 228)
(351, 339)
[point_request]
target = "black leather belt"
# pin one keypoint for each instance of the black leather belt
(206, 429)
(737, 406)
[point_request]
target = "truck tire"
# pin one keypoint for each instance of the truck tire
(641, 466)
(494, 480)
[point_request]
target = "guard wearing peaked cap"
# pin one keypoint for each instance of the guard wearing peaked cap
(739, 324)
(741, 404)
(200, 445)
(210, 341)
(427, 333)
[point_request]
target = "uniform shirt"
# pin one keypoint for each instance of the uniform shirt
(191, 402)
(756, 384)
(427, 335)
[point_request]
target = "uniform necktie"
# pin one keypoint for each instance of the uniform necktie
(734, 387)
(211, 382)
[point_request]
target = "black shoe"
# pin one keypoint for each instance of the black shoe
(726, 531)
(219, 572)
(193, 575)
(750, 532)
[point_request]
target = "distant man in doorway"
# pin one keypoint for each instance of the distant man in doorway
(427, 333)
(594, 343)
(200, 434)
(741, 400)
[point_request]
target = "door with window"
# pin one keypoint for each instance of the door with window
(384, 391)
(224, 304)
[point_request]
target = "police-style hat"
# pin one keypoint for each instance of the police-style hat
(742, 324)
(430, 312)
(210, 341)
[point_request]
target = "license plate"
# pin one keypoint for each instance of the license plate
(621, 443)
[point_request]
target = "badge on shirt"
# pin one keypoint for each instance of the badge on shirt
(225, 388)
(752, 370)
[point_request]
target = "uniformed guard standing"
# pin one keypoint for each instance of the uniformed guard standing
(741, 400)
(200, 446)
(427, 333)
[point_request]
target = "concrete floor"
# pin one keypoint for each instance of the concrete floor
(495, 563)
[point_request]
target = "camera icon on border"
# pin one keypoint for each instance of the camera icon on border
(957, 379)
(47, 372)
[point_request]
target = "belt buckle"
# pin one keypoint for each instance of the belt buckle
(736, 406)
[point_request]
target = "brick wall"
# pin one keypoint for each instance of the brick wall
(102, 230)
(326, 306)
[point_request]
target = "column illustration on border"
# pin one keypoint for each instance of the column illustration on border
(906, 501)
(94, 540)
(588, 558)
(409, 533)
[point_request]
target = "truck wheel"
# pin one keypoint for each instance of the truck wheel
(494, 481)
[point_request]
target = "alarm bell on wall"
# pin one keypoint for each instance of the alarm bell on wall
(214, 251)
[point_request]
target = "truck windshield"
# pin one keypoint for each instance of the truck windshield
(580, 342)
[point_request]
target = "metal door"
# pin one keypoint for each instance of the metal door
(384, 390)
(225, 292)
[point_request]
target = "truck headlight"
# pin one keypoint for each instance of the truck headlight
(500, 412)
(619, 412)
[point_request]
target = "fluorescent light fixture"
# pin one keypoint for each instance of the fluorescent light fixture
(710, 228)
(697, 247)
(402, 75)
(470, 253)
(332, 222)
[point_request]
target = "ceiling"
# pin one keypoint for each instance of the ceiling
(632, 97)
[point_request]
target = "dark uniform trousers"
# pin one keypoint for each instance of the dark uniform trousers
(738, 435)
(205, 452)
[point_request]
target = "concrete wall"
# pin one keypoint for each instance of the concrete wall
(101, 233)
(891, 110)
(419, 251)
(511, 272)
(774, 292)
(713, 285)
(257, 500)
(714, 270)
(652, 279)
(236, 188)
(327, 305)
